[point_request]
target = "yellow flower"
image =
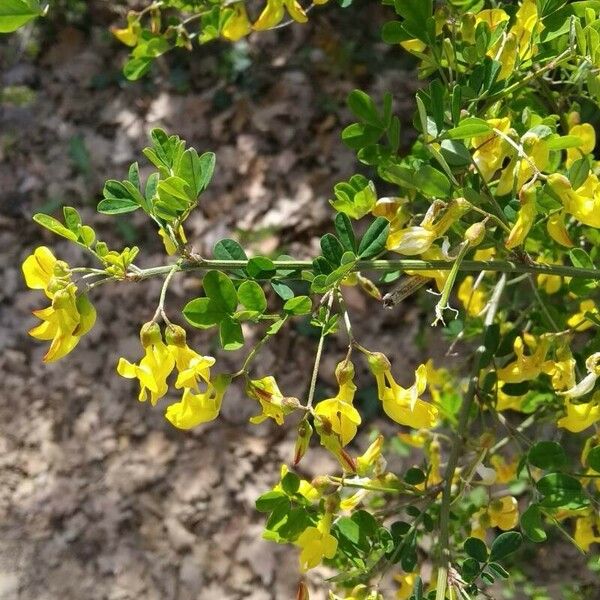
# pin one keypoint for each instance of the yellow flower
(64, 322)
(273, 13)
(562, 370)
(506, 402)
(129, 35)
(316, 543)
(438, 275)
(237, 25)
(505, 471)
(525, 219)
(525, 368)
(191, 366)
(403, 405)
(527, 26)
(474, 300)
(580, 416)
(168, 243)
(491, 149)
(274, 404)
(549, 283)
(371, 459)
(38, 269)
(578, 321)
(504, 513)
(520, 170)
(583, 203)
(153, 369)
(407, 583)
(196, 408)
(587, 134)
(417, 239)
(557, 230)
(343, 418)
(587, 529)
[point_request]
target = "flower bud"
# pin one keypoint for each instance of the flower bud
(175, 336)
(62, 298)
(475, 234)
(302, 593)
(305, 432)
(150, 334)
(344, 372)
(61, 269)
(557, 230)
(378, 362)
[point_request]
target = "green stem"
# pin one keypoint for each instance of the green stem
(315, 373)
(503, 266)
(461, 432)
(160, 309)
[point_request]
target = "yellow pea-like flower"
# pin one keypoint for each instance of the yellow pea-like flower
(504, 513)
(578, 321)
(343, 419)
(583, 203)
(587, 134)
(38, 269)
(196, 408)
(406, 582)
(579, 417)
(316, 543)
(506, 471)
(525, 218)
(525, 367)
(491, 149)
(473, 299)
(237, 25)
(61, 323)
(557, 230)
(153, 369)
(587, 531)
(403, 405)
(274, 11)
(274, 404)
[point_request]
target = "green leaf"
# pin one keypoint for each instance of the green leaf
(72, 219)
(261, 267)
(468, 128)
(269, 501)
(118, 199)
(364, 108)
(203, 313)
(251, 295)
(373, 242)
(284, 291)
(580, 259)
(16, 13)
(470, 569)
(455, 153)
(578, 172)
(476, 549)
(547, 455)
(355, 197)
(290, 483)
(228, 249)
(432, 182)
(593, 459)
(332, 249)
(349, 529)
(560, 490)
(532, 524)
(506, 543)
(230, 334)
(345, 232)
(414, 476)
(300, 305)
(498, 570)
(136, 68)
(196, 170)
(219, 288)
(54, 226)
